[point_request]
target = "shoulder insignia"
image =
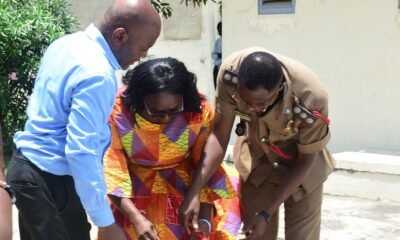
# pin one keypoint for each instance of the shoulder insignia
(230, 77)
(303, 113)
(242, 115)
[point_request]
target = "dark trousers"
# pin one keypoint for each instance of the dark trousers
(215, 74)
(302, 216)
(48, 205)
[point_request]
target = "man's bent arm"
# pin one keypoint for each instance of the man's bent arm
(213, 153)
(91, 106)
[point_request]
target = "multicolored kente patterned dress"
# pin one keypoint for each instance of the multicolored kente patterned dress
(152, 164)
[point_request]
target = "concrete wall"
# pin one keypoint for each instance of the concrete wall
(188, 35)
(353, 45)
(89, 11)
(365, 175)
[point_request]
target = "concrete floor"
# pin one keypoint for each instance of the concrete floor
(349, 218)
(344, 218)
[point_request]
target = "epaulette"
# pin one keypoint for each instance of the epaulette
(307, 116)
(231, 78)
(303, 113)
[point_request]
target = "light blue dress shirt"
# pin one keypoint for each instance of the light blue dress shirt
(67, 131)
(217, 50)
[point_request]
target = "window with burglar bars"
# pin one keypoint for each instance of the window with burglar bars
(276, 6)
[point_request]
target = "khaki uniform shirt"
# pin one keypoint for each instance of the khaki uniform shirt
(280, 126)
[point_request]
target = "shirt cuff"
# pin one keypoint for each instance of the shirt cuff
(102, 218)
(315, 146)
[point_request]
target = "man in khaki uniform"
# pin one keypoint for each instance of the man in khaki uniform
(280, 152)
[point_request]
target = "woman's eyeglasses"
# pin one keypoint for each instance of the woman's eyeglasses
(161, 114)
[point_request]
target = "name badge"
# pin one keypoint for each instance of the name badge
(243, 115)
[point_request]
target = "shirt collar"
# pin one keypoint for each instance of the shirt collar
(289, 94)
(93, 33)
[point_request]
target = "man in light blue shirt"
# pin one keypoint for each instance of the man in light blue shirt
(57, 169)
(217, 53)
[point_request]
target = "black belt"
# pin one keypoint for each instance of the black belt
(18, 154)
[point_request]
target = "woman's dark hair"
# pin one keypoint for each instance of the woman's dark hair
(160, 75)
(260, 69)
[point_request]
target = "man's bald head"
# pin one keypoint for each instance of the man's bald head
(130, 27)
(128, 13)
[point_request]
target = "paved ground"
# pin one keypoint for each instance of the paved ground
(357, 219)
(344, 218)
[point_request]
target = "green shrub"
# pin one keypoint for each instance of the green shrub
(27, 27)
(165, 9)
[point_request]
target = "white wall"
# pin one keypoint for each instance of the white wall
(89, 11)
(355, 48)
(188, 35)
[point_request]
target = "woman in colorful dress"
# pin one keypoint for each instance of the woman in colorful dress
(160, 124)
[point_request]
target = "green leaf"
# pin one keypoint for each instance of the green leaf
(27, 28)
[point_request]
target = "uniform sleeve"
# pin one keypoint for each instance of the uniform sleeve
(219, 186)
(116, 164)
(224, 103)
(314, 137)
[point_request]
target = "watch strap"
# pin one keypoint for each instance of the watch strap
(9, 190)
(265, 215)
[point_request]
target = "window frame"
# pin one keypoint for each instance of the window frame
(276, 7)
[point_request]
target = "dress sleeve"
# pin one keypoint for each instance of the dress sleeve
(116, 165)
(219, 186)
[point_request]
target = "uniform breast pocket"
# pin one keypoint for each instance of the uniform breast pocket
(284, 130)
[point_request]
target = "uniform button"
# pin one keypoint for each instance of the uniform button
(235, 80)
(227, 77)
(275, 164)
(296, 110)
(309, 120)
(288, 110)
(303, 115)
(264, 140)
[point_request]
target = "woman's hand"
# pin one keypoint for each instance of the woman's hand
(145, 230)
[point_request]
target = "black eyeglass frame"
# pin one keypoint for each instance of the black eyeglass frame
(164, 113)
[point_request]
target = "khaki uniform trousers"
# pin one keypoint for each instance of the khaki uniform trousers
(302, 216)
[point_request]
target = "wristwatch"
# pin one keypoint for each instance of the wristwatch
(265, 215)
(9, 190)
